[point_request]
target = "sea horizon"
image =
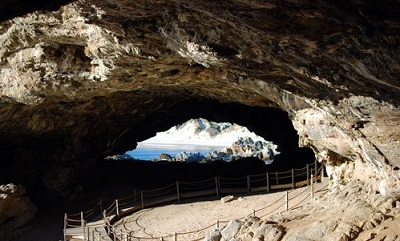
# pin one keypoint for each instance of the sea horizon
(152, 151)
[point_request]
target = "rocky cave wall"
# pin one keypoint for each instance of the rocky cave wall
(86, 79)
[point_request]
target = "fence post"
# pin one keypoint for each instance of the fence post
(177, 191)
(276, 176)
(322, 173)
(315, 167)
(142, 199)
(293, 181)
(82, 220)
(65, 226)
(217, 225)
(117, 207)
(308, 174)
(248, 184)
(217, 185)
(268, 187)
(84, 231)
(254, 213)
(312, 186)
(287, 200)
(105, 220)
(175, 237)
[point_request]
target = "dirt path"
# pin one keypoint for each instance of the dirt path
(195, 215)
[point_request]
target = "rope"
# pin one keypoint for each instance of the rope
(198, 230)
(300, 193)
(196, 185)
(232, 178)
(159, 189)
(199, 187)
(189, 183)
(270, 204)
(273, 210)
(232, 183)
(159, 194)
(129, 197)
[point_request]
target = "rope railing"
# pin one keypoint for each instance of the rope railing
(267, 180)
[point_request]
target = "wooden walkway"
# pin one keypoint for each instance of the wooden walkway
(92, 231)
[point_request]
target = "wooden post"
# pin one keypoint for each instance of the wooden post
(142, 199)
(312, 186)
(217, 186)
(293, 182)
(177, 191)
(217, 225)
(82, 220)
(322, 173)
(248, 184)
(84, 231)
(65, 226)
(268, 186)
(175, 237)
(117, 207)
(315, 168)
(254, 213)
(276, 177)
(106, 223)
(287, 200)
(308, 174)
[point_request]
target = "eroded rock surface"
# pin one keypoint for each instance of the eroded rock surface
(16, 211)
(350, 212)
(93, 77)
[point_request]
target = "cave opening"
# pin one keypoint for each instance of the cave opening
(270, 123)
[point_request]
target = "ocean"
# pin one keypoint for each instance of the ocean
(149, 152)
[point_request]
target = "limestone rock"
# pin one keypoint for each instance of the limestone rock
(230, 230)
(92, 78)
(330, 230)
(213, 236)
(16, 211)
(268, 232)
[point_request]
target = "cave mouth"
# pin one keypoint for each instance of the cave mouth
(202, 140)
(272, 124)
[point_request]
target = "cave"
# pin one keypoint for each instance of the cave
(82, 80)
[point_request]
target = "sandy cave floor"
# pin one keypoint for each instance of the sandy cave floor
(189, 216)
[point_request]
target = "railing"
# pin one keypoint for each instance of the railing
(76, 225)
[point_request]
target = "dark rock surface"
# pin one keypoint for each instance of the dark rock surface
(92, 78)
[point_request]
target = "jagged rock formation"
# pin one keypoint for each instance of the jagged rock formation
(93, 77)
(16, 211)
(367, 216)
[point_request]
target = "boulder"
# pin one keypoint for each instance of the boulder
(16, 211)
(230, 230)
(213, 236)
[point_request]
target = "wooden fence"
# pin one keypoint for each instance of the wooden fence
(76, 224)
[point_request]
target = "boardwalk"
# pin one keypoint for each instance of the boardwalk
(92, 231)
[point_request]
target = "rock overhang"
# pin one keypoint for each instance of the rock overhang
(106, 69)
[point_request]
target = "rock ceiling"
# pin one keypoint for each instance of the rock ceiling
(76, 81)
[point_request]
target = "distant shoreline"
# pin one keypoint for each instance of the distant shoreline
(200, 145)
